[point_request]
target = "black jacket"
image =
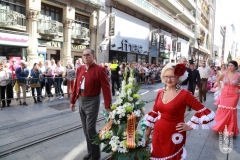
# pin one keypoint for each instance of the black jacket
(195, 78)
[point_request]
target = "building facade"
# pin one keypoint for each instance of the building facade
(173, 27)
(44, 29)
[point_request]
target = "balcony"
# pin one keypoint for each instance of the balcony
(50, 28)
(191, 4)
(178, 8)
(94, 3)
(12, 20)
(157, 14)
(80, 33)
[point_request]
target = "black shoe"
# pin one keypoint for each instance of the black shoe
(87, 156)
(8, 105)
(3, 106)
(25, 104)
(20, 103)
(113, 94)
(39, 100)
(35, 101)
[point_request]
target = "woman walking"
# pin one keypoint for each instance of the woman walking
(70, 76)
(226, 115)
(35, 75)
(167, 117)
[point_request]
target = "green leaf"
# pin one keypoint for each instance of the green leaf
(107, 148)
(140, 105)
(114, 156)
(115, 129)
(140, 155)
(122, 128)
(136, 88)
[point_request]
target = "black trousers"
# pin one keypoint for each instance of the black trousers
(9, 93)
(3, 89)
(115, 80)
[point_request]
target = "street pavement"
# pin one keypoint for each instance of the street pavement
(22, 126)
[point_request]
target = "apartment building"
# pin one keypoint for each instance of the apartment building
(44, 29)
(156, 31)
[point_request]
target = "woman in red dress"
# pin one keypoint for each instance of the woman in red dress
(167, 117)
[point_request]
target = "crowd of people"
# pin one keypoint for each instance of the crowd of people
(21, 76)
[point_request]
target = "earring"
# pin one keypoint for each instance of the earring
(165, 88)
(177, 87)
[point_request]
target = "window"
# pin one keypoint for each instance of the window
(81, 21)
(14, 5)
(49, 12)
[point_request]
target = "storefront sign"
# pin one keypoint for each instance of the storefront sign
(78, 47)
(174, 45)
(154, 39)
(13, 39)
(161, 42)
(128, 47)
(50, 43)
(111, 25)
(178, 46)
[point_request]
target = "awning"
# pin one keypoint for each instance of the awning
(94, 3)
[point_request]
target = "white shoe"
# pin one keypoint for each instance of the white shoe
(47, 98)
(51, 99)
(61, 97)
(57, 97)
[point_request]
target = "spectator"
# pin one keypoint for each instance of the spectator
(58, 80)
(22, 73)
(9, 86)
(48, 80)
(41, 66)
(13, 67)
(35, 74)
(70, 76)
(3, 77)
(53, 66)
(114, 76)
(79, 62)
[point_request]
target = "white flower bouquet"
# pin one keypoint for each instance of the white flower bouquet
(121, 135)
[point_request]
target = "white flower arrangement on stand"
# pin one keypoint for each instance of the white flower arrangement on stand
(120, 136)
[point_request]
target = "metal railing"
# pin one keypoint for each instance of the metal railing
(12, 19)
(81, 33)
(50, 27)
(41, 81)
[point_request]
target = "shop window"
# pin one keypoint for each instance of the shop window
(14, 5)
(49, 12)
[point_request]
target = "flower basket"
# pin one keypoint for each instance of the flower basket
(124, 133)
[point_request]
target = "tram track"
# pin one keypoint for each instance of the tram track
(52, 136)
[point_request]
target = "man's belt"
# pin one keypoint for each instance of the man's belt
(204, 79)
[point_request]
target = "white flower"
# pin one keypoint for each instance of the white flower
(103, 146)
(124, 133)
(137, 113)
(119, 101)
(130, 98)
(114, 148)
(131, 79)
(129, 91)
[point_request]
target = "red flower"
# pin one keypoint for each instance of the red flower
(179, 70)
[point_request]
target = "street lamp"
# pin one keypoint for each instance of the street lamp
(198, 42)
(215, 54)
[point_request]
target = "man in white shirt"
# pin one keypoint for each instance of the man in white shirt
(205, 72)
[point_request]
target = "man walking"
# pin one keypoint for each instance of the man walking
(204, 72)
(22, 74)
(90, 79)
(114, 76)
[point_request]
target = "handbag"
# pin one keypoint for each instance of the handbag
(65, 82)
(35, 85)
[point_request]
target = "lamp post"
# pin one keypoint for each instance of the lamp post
(215, 54)
(198, 42)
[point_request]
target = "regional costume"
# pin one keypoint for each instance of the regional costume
(88, 84)
(167, 142)
(226, 114)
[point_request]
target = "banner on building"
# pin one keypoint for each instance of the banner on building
(154, 39)
(111, 25)
(174, 45)
(178, 46)
(161, 42)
